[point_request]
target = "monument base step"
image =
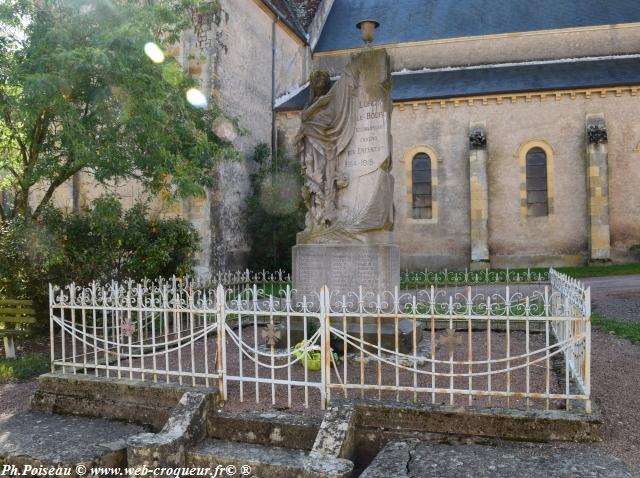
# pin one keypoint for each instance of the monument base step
(346, 269)
(267, 461)
(295, 430)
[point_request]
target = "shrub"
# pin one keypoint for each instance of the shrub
(29, 251)
(105, 242)
(102, 243)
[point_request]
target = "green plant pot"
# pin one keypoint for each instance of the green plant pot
(311, 359)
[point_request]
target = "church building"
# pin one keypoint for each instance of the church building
(516, 131)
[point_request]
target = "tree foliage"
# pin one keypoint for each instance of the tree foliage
(78, 93)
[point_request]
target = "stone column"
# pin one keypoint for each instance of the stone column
(598, 188)
(479, 193)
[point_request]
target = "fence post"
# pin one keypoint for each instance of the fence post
(569, 349)
(51, 329)
(221, 341)
(587, 352)
(325, 331)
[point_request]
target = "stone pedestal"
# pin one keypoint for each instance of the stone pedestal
(345, 267)
(347, 245)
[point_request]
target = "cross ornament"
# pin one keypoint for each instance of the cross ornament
(272, 334)
(127, 328)
(451, 340)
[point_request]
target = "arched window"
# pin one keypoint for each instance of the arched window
(422, 186)
(537, 184)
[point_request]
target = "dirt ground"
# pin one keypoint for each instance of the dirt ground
(616, 390)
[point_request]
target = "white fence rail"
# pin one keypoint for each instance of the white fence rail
(471, 347)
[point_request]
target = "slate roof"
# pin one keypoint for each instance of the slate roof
(415, 20)
(305, 10)
(284, 10)
(452, 83)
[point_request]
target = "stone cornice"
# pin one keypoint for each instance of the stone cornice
(528, 97)
(507, 98)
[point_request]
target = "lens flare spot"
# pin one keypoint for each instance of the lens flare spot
(196, 98)
(280, 193)
(154, 52)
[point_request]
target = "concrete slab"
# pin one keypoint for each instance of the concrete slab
(39, 438)
(336, 436)
(415, 459)
(144, 403)
(186, 426)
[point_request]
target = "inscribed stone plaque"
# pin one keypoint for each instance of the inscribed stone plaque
(345, 268)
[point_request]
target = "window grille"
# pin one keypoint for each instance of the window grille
(537, 186)
(422, 186)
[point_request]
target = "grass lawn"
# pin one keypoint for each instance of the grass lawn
(413, 280)
(503, 276)
(601, 271)
(627, 330)
(23, 368)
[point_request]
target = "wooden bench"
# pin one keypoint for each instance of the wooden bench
(14, 313)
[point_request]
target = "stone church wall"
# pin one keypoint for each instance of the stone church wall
(242, 83)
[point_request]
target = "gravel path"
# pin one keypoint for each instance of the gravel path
(616, 297)
(616, 388)
(15, 396)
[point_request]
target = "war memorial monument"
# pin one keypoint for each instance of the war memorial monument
(345, 149)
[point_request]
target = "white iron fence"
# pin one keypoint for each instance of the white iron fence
(479, 277)
(473, 347)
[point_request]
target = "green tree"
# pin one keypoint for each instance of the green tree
(78, 93)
